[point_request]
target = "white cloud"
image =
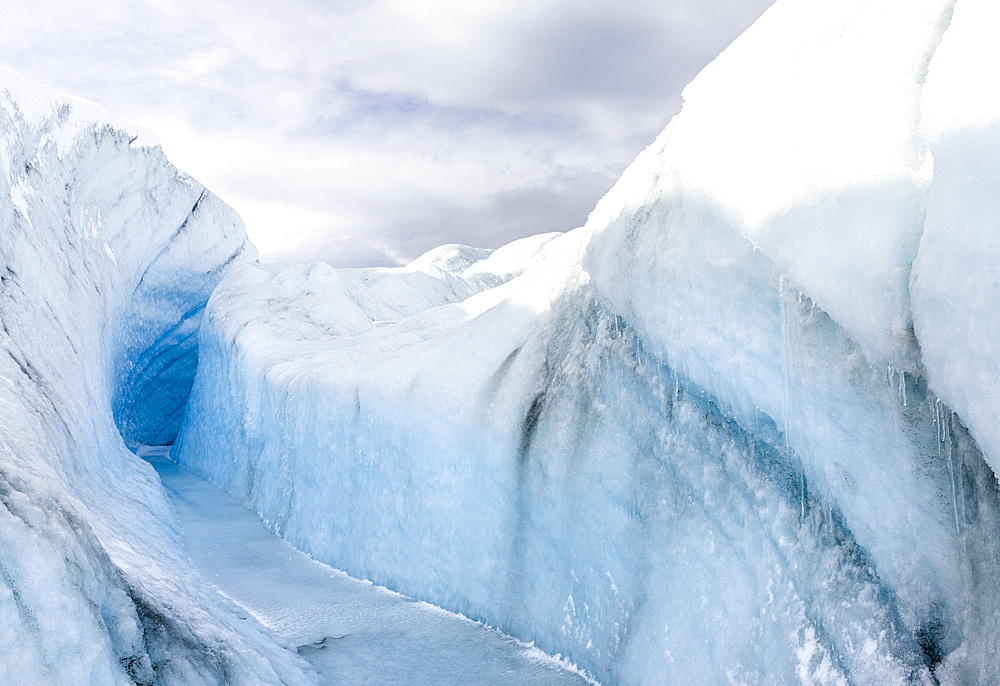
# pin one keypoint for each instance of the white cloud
(365, 130)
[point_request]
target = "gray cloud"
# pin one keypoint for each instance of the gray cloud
(368, 131)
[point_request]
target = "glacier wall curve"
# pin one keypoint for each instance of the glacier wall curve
(107, 254)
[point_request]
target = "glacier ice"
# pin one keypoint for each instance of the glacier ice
(737, 428)
(107, 256)
(954, 280)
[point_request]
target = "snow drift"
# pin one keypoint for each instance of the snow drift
(738, 428)
(107, 256)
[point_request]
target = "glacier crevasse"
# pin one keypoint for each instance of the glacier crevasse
(740, 427)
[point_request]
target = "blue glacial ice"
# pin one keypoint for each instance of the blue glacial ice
(737, 428)
(107, 255)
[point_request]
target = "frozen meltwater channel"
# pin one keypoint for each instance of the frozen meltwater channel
(351, 631)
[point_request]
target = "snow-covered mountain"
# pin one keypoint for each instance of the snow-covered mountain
(739, 428)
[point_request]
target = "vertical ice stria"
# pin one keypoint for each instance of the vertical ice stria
(739, 427)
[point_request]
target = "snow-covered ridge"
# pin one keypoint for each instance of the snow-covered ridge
(107, 255)
(708, 437)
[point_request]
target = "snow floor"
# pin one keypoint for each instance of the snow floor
(351, 631)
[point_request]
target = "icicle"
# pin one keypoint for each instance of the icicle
(937, 422)
(944, 444)
(802, 498)
(897, 377)
(787, 349)
(790, 303)
(961, 494)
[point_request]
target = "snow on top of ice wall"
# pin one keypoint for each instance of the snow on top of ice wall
(507, 261)
(316, 303)
(957, 95)
(36, 103)
(100, 259)
(803, 135)
(851, 144)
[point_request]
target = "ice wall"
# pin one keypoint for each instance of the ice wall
(955, 276)
(107, 255)
(866, 223)
(739, 428)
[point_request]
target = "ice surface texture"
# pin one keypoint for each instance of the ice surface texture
(107, 256)
(738, 428)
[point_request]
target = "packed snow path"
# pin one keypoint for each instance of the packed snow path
(351, 631)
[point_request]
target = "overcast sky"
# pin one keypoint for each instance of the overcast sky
(364, 132)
